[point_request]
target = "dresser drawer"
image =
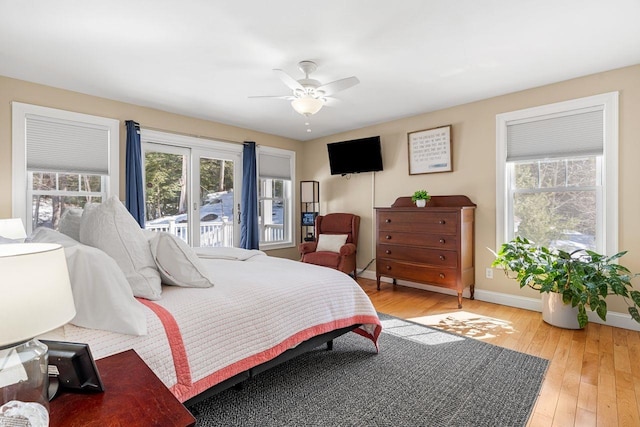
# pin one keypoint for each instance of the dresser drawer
(419, 222)
(434, 241)
(419, 273)
(434, 257)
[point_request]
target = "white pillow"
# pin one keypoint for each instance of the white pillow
(70, 223)
(101, 293)
(47, 235)
(4, 240)
(111, 228)
(331, 242)
(177, 262)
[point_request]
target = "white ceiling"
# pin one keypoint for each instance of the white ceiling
(204, 58)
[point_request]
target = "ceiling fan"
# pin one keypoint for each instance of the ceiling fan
(309, 95)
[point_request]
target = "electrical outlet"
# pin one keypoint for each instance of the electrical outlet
(489, 273)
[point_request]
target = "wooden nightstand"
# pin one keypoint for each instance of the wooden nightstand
(133, 396)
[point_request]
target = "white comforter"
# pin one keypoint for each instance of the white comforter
(258, 308)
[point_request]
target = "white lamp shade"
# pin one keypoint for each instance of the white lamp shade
(12, 228)
(309, 191)
(35, 291)
(307, 105)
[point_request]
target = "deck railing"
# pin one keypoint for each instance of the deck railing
(217, 233)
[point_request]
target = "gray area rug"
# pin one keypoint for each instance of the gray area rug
(420, 377)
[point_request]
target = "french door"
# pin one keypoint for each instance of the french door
(192, 192)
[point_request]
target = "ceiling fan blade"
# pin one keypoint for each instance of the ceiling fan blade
(338, 85)
(288, 97)
(332, 102)
(288, 80)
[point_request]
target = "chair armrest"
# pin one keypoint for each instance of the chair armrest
(347, 249)
(307, 247)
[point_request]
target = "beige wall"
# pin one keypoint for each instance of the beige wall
(30, 93)
(473, 142)
(474, 166)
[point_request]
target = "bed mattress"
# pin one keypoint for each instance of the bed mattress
(259, 307)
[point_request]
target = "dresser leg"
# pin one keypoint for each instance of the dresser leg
(472, 289)
(459, 299)
(378, 281)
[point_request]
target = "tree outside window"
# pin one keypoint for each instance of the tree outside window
(555, 202)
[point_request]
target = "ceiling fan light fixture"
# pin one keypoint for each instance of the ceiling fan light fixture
(307, 105)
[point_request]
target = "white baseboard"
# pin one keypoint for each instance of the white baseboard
(616, 319)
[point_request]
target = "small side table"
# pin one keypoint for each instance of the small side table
(133, 396)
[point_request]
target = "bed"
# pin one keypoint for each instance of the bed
(228, 314)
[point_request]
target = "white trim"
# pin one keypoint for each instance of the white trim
(173, 139)
(610, 196)
(615, 319)
(19, 111)
(609, 103)
(425, 287)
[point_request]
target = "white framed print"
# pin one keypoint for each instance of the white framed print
(430, 150)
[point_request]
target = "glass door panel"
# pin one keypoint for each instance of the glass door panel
(216, 202)
(166, 198)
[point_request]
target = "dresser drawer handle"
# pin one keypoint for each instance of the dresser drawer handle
(442, 221)
(388, 267)
(442, 241)
(442, 275)
(387, 252)
(442, 257)
(387, 220)
(388, 237)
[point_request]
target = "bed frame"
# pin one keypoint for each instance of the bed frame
(303, 347)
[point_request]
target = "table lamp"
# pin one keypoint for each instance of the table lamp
(12, 228)
(35, 297)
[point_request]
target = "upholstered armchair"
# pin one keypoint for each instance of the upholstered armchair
(336, 242)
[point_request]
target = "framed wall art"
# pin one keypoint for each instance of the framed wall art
(430, 151)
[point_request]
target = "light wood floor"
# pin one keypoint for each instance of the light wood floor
(594, 374)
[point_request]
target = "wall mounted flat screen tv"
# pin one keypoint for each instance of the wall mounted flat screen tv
(355, 156)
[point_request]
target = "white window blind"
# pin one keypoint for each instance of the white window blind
(579, 132)
(66, 146)
(272, 166)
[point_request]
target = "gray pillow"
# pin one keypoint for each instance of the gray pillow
(70, 223)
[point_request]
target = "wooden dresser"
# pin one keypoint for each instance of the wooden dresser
(432, 245)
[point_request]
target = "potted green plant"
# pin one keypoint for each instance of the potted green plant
(420, 198)
(579, 280)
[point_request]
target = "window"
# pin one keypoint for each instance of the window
(61, 160)
(275, 205)
(557, 174)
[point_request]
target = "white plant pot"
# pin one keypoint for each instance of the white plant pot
(557, 313)
(421, 203)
